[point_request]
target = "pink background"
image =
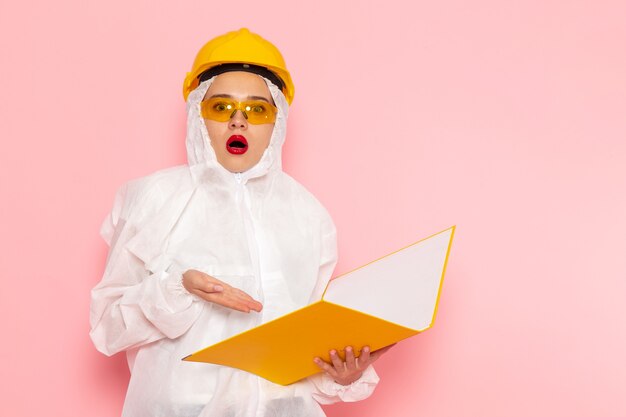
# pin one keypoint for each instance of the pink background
(504, 118)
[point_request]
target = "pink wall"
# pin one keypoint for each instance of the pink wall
(504, 118)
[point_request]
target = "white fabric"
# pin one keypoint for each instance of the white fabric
(260, 231)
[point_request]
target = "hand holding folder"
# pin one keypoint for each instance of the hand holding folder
(349, 371)
(406, 285)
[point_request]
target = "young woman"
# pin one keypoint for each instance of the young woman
(203, 251)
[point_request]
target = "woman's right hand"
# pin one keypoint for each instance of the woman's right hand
(218, 292)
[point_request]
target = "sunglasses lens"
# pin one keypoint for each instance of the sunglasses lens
(222, 109)
(259, 112)
(218, 109)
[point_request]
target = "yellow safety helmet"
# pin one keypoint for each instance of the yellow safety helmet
(241, 46)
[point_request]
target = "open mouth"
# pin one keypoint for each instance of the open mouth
(237, 145)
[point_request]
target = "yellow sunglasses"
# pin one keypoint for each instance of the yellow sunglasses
(222, 109)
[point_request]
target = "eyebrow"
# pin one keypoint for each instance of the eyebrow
(247, 98)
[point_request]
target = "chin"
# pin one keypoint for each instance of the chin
(236, 166)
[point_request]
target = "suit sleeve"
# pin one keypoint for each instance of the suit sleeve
(132, 306)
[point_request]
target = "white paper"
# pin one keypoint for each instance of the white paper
(401, 288)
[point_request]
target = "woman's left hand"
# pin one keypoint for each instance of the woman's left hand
(347, 372)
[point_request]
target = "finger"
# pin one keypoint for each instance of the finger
(336, 360)
(256, 306)
(219, 286)
(248, 301)
(226, 301)
(212, 287)
(237, 304)
(325, 366)
(206, 296)
(364, 358)
(350, 361)
(243, 295)
(230, 297)
(207, 283)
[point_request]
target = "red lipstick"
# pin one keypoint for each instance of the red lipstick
(237, 145)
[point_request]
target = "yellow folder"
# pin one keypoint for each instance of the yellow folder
(377, 304)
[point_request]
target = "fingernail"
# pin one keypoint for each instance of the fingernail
(218, 288)
(348, 348)
(333, 352)
(366, 349)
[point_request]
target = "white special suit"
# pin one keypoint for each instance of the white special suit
(259, 231)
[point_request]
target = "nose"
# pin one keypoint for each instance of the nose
(238, 120)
